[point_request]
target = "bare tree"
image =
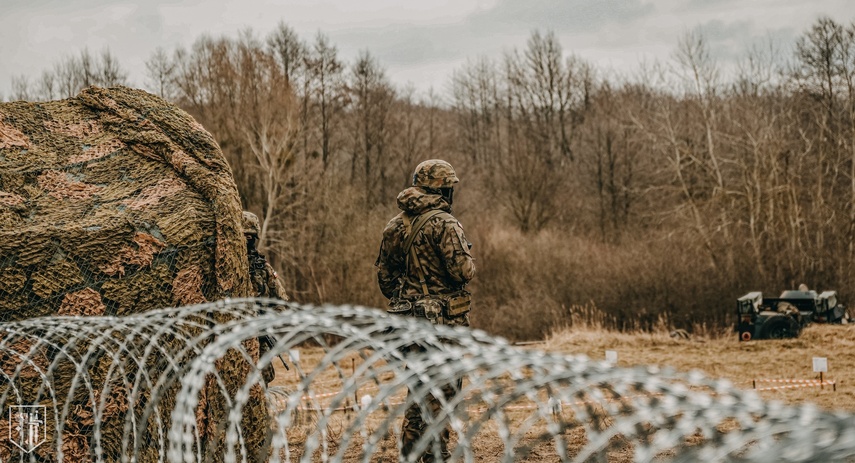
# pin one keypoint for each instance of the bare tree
(290, 52)
(160, 73)
(550, 92)
(109, 72)
(692, 134)
(271, 129)
(415, 125)
(325, 87)
(47, 88)
(371, 98)
(825, 71)
(477, 103)
(609, 153)
(238, 90)
(71, 75)
(547, 96)
(820, 53)
(20, 88)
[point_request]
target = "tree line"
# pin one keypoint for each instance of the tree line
(667, 193)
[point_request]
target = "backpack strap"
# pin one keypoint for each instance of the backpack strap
(417, 225)
(412, 230)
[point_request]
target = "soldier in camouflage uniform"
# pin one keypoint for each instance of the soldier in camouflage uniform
(437, 267)
(265, 281)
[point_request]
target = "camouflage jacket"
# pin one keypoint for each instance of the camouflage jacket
(265, 281)
(441, 248)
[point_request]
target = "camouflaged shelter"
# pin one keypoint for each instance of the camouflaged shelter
(116, 202)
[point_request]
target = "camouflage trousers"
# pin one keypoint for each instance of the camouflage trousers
(415, 423)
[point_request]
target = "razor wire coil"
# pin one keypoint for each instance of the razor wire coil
(138, 383)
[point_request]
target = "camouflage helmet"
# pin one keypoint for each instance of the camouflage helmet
(434, 173)
(250, 223)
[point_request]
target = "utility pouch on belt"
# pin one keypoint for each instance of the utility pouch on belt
(401, 307)
(459, 305)
(432, 308)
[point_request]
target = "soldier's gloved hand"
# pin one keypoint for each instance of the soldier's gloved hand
(268, 373)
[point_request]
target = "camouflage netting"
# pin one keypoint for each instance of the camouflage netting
(115, 202)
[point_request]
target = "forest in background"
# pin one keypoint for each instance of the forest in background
(658, 197)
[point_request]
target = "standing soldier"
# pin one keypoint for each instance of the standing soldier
(265, 283)
(423, 268)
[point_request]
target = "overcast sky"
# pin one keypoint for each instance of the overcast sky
(417, 41)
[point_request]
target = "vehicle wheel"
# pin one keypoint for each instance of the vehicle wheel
(779, 328)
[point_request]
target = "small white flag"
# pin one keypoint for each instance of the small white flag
(611, 356)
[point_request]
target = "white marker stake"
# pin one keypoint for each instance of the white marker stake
(820, 365)
(554, 405)
(365, 401)
(294, 355)
(611, 357)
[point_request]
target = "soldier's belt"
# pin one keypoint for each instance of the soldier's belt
(451, 305)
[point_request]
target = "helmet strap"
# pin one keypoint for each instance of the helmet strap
(447, 194)
(251, 240)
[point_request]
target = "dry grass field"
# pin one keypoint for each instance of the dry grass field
(723, 356)
(718, 355)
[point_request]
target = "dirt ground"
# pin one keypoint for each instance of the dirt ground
(745, 364)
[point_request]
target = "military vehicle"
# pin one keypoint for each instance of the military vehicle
(786, 316)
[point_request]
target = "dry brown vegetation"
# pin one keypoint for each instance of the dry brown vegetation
(724, 356)
(534, 445)
(717, 354)
(669, 192)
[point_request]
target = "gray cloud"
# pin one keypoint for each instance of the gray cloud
(406, 46)
(489, 31)
(561, 15)
(401, 45)
(11, 6)
(708, 4)
(727, 41)
(150, 22)
(731, 41)
(422, 42)
(718, 30)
